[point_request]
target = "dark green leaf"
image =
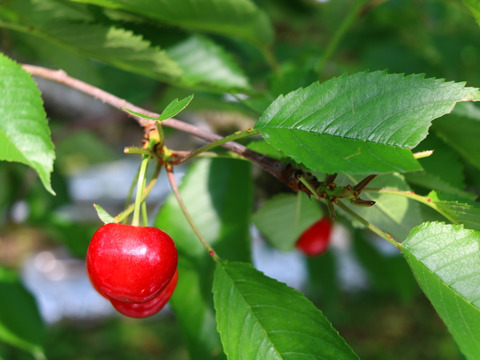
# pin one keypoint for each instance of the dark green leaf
(271, 320)
(461, 130)
(388, 273)
(205, 64)
(361, 123)
(285, 217)
(218, 195)
(24, 132)
(239, 18)
(446, 262)
(20, 322)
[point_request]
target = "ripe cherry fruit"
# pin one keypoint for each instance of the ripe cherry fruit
(315, 240)
(131, 263)
(149, 308)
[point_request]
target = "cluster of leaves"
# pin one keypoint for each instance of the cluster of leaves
(365, 122)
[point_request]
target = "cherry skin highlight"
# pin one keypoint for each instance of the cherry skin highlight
(316, 239)
(131, 263)
(149, 308)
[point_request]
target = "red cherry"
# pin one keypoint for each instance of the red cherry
(131, 263)
(149, 308)
(315, 240)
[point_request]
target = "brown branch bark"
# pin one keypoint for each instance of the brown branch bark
(275, 167)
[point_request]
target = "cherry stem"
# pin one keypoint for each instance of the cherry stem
(120, 217)
(411, 195)
(140, 188)
(176, 192)
(369, 225)
(235, 136)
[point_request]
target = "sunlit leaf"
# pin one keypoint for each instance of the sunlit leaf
(361, 123)
(271, 320)
(446, 262)
(24, 131)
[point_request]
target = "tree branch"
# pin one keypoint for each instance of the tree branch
(275, 167)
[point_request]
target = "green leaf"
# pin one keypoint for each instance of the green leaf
(24, 131)
(270, 320)
(393, 214)
(20, 322)
(458, 211)
(445, 259)
(104, 215)
(285, 217)
(218, 195)
(205, 64)
(461, 130)
(112, 45)
(174, 108)
(238, 18)
(361, 123)
(474, 6)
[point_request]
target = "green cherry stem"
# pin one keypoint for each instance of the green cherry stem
(369, 225)
(176, 192)
(235, 136)
(140, 189)
(411, 195)
(128, 210)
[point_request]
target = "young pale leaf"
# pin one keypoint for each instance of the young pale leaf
(24, 131)
(445, 259)
(218, 195)
(175, 107)
(104, 215)
(285, 217)
(20, 322)
(239, 18)
(361, 123)
(261, 318)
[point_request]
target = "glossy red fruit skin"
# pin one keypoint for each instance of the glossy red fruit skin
(149, 308)
(130, 263)
(315, 240)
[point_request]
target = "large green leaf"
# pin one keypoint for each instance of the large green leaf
(361, 123)
(20, 322)
(285, 217)
(240, 18)
(261, 318)
(217, 193)
(24, 132)
(192, 62)
(446, 262)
